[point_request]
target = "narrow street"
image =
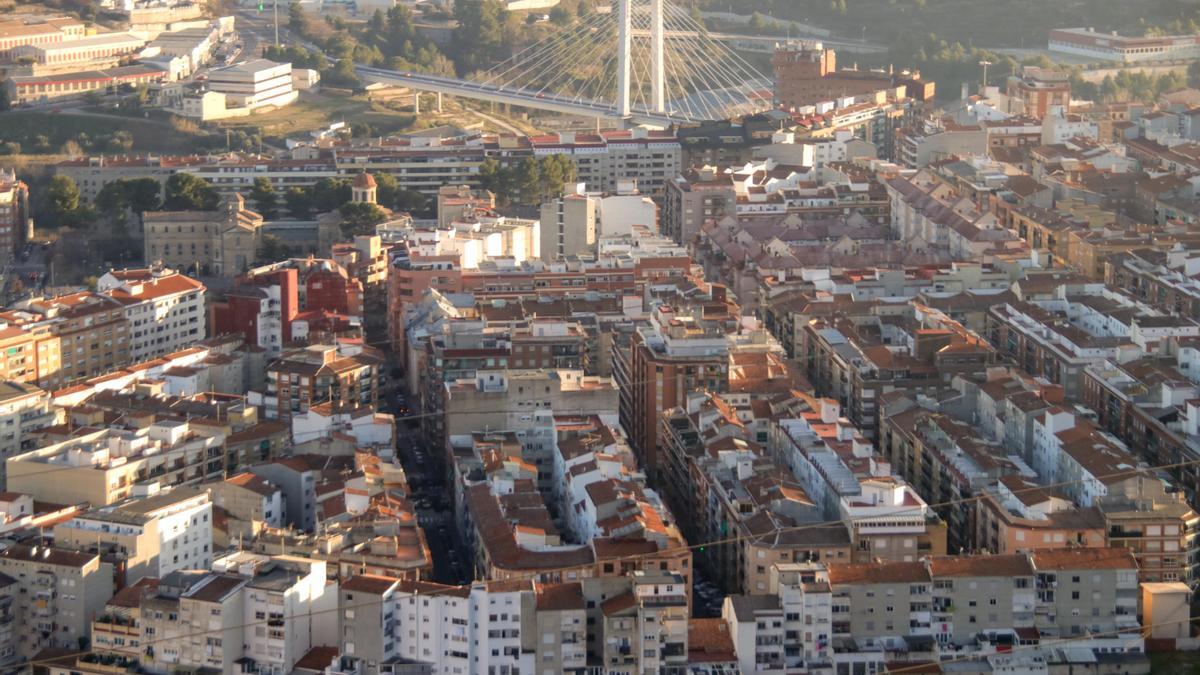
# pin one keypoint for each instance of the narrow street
(431, 497)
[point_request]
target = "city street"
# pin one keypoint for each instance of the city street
(432, 499)
(30, 266)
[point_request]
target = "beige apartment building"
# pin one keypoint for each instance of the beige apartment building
(92, 331)
(220, 242)
(507, 399)
(568, 226)
(29, 352)
(874, 601)
(645, 629)
(979, 593)
(60, 592)
(107, 466)
(1085, 589)
(154, 536)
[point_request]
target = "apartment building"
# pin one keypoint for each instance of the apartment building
(164, 309)
(855, 365)
(605, 159)
(23, 408)
(1081, 590)
(646, 628)
(59, 593)
(1038, 89)
(253, 612)
(1159, 279)
(343, 373)
(92, 332)
(91, 174)
(889, 521)
(786, 629)
(220, 242)
(694, 198)
(722, 483)
(685, 346)
(150, 536)
(106, 466)
(568, 226)
(30, 352)
(294, 596)
(880, 604)
(974, 594)
(14, 213)
(250, 499)
(836, 617)
(507, 399)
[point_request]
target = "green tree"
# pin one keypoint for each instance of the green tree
(360, 218)
(410, 201)
(112, 201)
(480, 34)
(297, 22)
(297, 201)
(386, 189)
(1193, 74)
(186, 192)
(561, 16)
(62, 195)
(328, 194)
(272, 249)
(142, 194)
(497, 179)
(556, 171)
(264, 198)
(529, 180)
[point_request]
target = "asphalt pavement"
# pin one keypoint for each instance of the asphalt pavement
(433, 499)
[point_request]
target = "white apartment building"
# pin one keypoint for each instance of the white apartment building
(605, 159)
(23, 407)
(1073, 452)
(369, 429)
(254, 84)
(430, 623)
(788, 629)
(165, 309)
(294, 597)
(156, 535)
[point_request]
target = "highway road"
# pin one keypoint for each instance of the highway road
(519, 97)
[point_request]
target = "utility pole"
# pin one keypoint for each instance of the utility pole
(657, 68)
(985, 63)
(276, 6)
(624, 42)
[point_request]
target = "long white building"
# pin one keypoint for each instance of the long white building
(1087, 42)
(105, 46)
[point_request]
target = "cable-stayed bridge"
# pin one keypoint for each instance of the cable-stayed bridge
(646, 62)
